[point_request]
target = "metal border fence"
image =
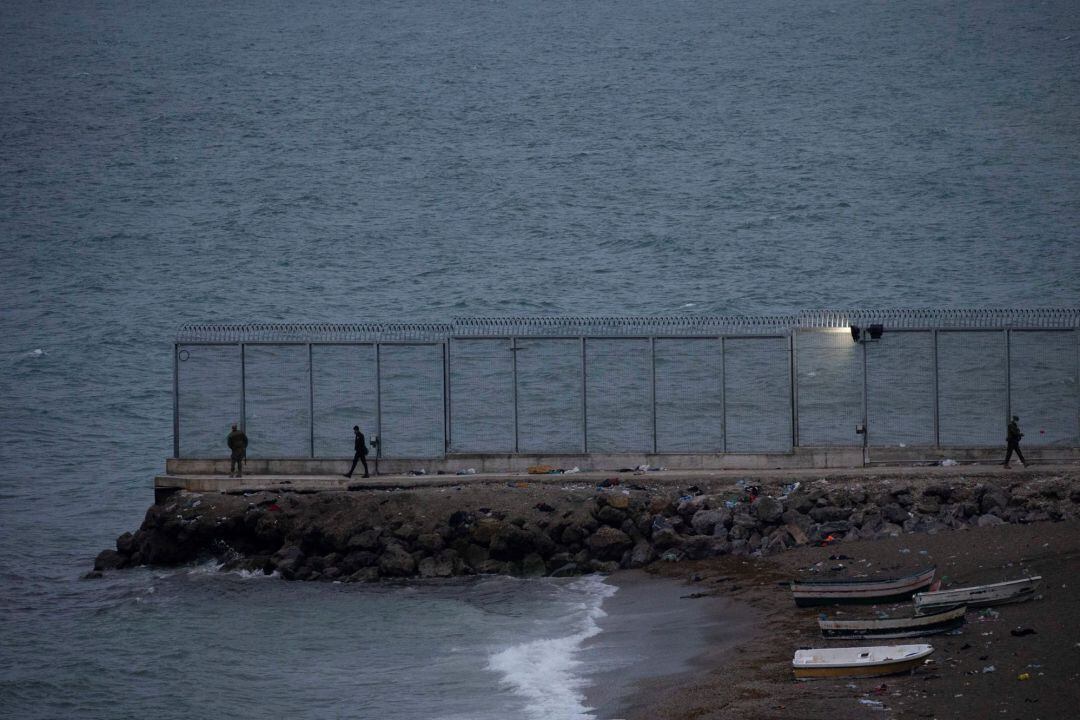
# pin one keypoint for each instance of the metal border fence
(686, 384)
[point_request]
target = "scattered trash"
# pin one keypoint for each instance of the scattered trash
(948, 462)
(789, 489)
(1023, 676)
(572, 470)
(871, 703)
(904, 551)
(880, 689)
(421, 471)
(467, 471)
(989, 669)
(1021, 632)
(539, 469)
(988, 614)
(608, 482)
(839, 557)
(642, 468)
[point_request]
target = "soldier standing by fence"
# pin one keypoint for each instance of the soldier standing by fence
(238, 443)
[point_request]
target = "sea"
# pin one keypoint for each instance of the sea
(235, 161)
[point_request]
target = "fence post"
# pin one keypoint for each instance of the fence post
(243, 389)
(378, 404)
(447, 434)
(723, 392)
(865, 408)
(514, 377)
(311, 401)
(937, 422)
(652, 391)
(584, 403)
(176, 399)
(793, 388)
(1008, 377)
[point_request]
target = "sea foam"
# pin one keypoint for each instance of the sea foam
(546, 672)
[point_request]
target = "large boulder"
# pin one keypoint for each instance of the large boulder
(366, 540)
(704, 522)
(609, 544)
(288, 560)
(663, 533)
(612, 516)
(396, 562)
(830, 513)
(443, 565)
(767, 509)
(642, 554)
(511, 542)
(109, 560)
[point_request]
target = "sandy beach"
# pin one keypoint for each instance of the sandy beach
(975, 673)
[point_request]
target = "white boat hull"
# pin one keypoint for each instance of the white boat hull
(978, 595)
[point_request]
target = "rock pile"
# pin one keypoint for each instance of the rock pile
(363, 537)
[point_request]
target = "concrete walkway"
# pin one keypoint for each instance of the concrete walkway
(317, 483)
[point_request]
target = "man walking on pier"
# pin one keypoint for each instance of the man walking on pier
(238, 443)
(361, 452)
(1012, 440)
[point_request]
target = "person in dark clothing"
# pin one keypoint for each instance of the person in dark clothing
(238, 443)
(361, 452)
(1012, 440)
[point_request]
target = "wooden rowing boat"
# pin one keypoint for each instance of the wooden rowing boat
(858, 661)
(978, 595)
(830, 592)
(932, 624)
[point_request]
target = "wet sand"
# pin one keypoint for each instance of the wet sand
(975, 673)
(653, 635)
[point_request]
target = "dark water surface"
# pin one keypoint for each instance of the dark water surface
(245, 161)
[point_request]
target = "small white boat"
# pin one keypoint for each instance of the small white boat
(929, 624)
(871, 661)
(978, 595)
(870, 590)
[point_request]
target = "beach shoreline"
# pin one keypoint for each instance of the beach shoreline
(976, 672)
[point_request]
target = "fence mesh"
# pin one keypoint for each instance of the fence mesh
(482, 395)
(1043, 386)
(900, 389)
(619, 395)
(693, 385)
(689, 395)
(208, 401)
(549, 380)
(277, 405)
(345, 387)
(411, 399)
(757, 392)
(830, 388)
(971, 388)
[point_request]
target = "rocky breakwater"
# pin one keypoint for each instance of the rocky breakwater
(542, 530)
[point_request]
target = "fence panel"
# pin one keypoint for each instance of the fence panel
(618, 395)
(757, 391)
(1043, 383)
(829, 375)
(345, 394)
(412, 401)
(481, 395)
(689, 396)
(549, 396)
(277, 401)
(971, 388)
(209, 398)
(900, 389)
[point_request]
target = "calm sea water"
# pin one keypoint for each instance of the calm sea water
(246, 161)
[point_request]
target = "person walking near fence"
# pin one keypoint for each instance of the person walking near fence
(238, 443)
(1012, 440)
(361, 452)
